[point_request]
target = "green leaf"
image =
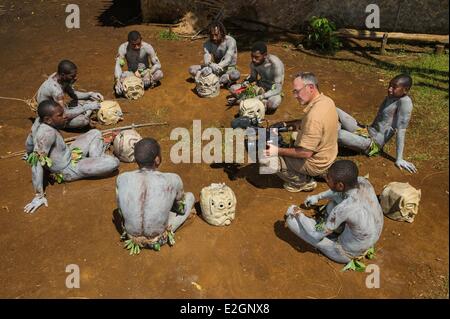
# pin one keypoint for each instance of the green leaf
(371, 253)
(171, 238)
(360, 266)
(48, 161)
(349, 266)
(320, 226)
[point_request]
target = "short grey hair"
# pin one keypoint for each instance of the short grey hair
(308, 78)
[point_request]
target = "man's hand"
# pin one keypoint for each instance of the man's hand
(37, 202)
(260, 97)
(272, 150)
(147, 80)
(92, 106)
(216, 68)
(118, 87)
(311, 200)
(96, 96)
(402, 164)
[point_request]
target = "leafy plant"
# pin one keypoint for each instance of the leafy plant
(34, 158)
(133, 247)
(169, 35)
(355, 265)
(321, 37)
(250, 91)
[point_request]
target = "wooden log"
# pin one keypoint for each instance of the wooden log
(374, 35)
(383, 44)
(439, 49)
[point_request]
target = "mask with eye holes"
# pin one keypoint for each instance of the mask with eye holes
(252, 108)
(218, 204)
(133, 87)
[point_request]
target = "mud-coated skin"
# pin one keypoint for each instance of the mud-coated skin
(393, 117)
(358, 209)
(270, 77)
(145, 198)
(79, 113)
(221, 58)
(48, 141)
(146, 55)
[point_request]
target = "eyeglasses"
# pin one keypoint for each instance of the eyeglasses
(297, 92)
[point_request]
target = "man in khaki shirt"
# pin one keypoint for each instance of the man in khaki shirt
(315, 148)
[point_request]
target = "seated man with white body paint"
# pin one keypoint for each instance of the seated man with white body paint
(153, 204)
(46, 150)
(140, 57)
(392, 118)
(353, 204)
(220, 54)
(267, 72)
(60, 83)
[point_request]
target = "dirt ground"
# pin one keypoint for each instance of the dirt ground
(256, 256)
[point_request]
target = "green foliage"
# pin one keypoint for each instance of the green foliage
(34, 158)
(355, 265)
(58, 177)
(251, 91)
(134, 248)
(320, 36)
(169, 35)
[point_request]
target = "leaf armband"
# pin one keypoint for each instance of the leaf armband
(34, 158)
(76, 156)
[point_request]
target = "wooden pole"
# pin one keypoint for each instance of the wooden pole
(383, 44)
(374, 35)
(439, 49)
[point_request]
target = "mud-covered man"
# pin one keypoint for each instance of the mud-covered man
(393, 117)
(353, 206)
(141, 60)
(220, 54)
(46, 150)
(153, 204)
(78, 110)
(315, 147)
(267, 72)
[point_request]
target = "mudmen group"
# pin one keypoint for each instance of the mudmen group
(78, 110)
(141, 60)
(267, 73)
(46, 150)
(353, 206)
(153, 204)
(393, 117)
(315, 147)
(220, 56)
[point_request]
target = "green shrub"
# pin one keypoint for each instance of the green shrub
(168, 35)
(320, 36)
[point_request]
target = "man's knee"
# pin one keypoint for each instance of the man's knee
(94, 134)
(158, 75)
(234, 75)
(224, 79)
(111, 163)
(273, 103)
(79, 122)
